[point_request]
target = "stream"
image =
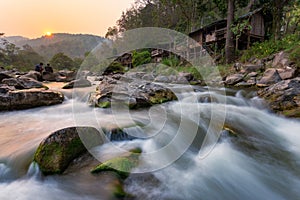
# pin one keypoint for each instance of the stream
(256, 156)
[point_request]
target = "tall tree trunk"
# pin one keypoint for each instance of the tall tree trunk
(229, 46)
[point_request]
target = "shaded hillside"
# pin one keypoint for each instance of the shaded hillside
(72, 45)
(16, 39)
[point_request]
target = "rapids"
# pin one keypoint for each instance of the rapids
(256, 156)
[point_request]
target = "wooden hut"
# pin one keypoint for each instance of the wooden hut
(213, 36)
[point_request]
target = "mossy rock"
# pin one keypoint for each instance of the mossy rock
(104, 104)
(162, 97)
(122, 166)
(57, 151)
(292, 113)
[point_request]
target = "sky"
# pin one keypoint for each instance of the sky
(34, 18)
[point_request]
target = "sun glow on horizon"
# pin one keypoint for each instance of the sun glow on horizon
(48, 33)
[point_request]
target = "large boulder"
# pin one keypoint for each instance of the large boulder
(23, 83)
(58, 150)
(79, 83)
(283, 97)
(50, 76)
(24, 99)
(135, 93)
(271, 76)
(33, 75)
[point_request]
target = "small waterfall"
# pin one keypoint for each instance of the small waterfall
(5, 172)
(33, 170)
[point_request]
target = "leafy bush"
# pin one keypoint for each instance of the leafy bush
(141, 58)
(172, 61)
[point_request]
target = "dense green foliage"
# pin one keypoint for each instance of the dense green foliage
(269, 47)
(172, 61)
(23, 59)
(60, 62)
(140, 58)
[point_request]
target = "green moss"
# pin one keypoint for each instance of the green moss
(104, 104)
(162, 97)
(54, 158)
(136, 150)
(48, 157)
(122, 166)
(292, 113)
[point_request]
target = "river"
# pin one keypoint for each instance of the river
(259, 160)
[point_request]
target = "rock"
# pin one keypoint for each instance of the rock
(237, 67)
(119, 134)
(33, 75)
(281, 60)
(287, 73)
(148, 77)
(136, 94)
(79, 83)
(120, 165)
(162, 79)
(116, 76)
(24, 99)
(283, 97)
(99, 78)
(252, 74)
(23, 83)
(5, 88)
(4, 75)
(58, 150)
(68, 75)
(245, 84)
(234, 79)
(253, 68)
(50, 76)
(271, 76)
(188, 76)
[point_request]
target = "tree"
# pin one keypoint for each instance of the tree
(61, 61)
(229, 46)
(230, 7)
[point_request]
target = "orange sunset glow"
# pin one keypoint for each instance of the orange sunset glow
(34, 18)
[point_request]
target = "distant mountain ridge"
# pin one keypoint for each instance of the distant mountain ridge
(72, 45)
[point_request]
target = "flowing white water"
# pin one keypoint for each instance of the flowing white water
(262, 162)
